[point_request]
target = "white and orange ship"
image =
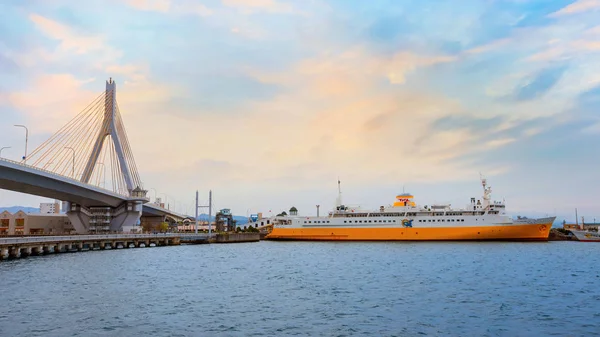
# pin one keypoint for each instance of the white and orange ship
(404, 220)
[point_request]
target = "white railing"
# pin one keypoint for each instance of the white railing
(60, 176)
(66, 238)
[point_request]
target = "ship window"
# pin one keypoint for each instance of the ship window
(304, 221)
(344, 221)
(310, 222)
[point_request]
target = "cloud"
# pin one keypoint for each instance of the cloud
(539, 84)
(592, 129)
(260, 104)
(578, 6)
(499, 142)
(51, 100)
(71, 41)
(150, 5)
(250, 6)
(180, 7)
(490, 46)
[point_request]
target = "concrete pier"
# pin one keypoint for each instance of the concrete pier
(237, 237)
(16, 247)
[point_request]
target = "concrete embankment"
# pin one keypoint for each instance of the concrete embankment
(219, 238)
(15, 247)
(558, 234)
(237, 237)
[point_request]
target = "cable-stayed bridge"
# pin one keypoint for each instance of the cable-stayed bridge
(89, 164)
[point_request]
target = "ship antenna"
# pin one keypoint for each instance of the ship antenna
(339, 199)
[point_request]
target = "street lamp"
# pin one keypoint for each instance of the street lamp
(73, 170)
(6, 147)
(26, 139)
(154, 194)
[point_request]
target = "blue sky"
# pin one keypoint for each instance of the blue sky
(267, 102)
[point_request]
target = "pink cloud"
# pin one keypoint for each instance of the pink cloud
(577, 7)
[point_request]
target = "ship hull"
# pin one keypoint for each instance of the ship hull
(517, 232)
(584, 236)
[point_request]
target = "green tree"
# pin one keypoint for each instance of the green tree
(163, 227)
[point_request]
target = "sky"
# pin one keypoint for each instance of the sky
(268, 102)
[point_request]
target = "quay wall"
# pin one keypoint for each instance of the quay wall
(237, 237)
(15, 247)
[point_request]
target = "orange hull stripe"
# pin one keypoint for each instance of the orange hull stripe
(516, 232)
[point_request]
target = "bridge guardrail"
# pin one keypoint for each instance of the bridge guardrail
(58, 175)
(79, 182)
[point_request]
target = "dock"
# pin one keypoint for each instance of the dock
(220, 238)
(23, 246)
(15, 247)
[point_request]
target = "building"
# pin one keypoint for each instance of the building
(50, 207)
(189, 226)
(581, 226)
(21, 223)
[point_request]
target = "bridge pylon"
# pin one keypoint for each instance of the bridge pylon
(98, 140)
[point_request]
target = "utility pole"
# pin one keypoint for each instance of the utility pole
(209, 211)
(196, 218)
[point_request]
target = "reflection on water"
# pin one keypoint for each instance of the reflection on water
(307, 288)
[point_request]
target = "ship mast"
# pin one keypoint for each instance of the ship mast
(339, 198)
(487, 192)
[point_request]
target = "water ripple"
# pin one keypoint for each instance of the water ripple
(307, 289)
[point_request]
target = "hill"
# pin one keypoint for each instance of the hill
(15, 209)
(240, 219)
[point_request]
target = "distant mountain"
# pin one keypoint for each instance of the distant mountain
(239, 219)
(15, 209)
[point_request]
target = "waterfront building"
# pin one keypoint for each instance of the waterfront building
(586, 226)
(50, 207)
(21, 223)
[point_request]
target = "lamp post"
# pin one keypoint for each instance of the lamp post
(26, 139)
(154, 194)
(6, 147)
(73, 169)
(166, 199)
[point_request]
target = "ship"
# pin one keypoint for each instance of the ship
(586, 236)
(586, 232)
(404, 220)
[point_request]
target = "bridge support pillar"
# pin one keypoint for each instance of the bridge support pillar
(14, 252)
(127, 216)
(124, 218)
(79, 217)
